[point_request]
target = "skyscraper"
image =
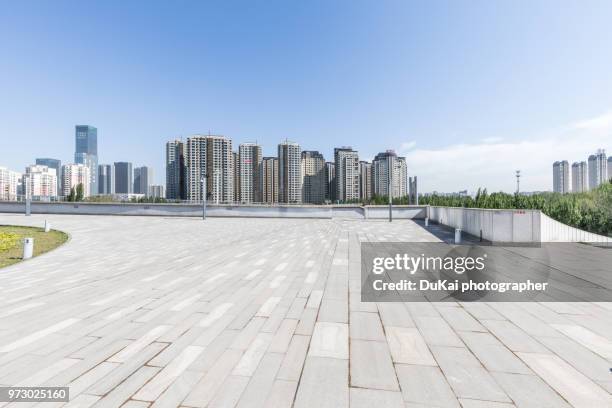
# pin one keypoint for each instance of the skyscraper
(9, 184)
(365, 180)
(598, 168)
(289, 173)
(175, 170)
(40, 182)
(270, 179)
(330, 181)
(579, 177)
(210, 156)
(236, 176)
(346, 161)
(124, 178)
(53, 164)
(106, 179)
(143, 178)
(561, 177)
(86, 152)
(313, 177)
(249, 170)
(389, 163)
(610, 169)
(73, 175)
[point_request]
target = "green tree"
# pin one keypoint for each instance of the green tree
(72, 195)
(79, 192)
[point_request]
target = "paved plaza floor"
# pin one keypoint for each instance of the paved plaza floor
(168, 312)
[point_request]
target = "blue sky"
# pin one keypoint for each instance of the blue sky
(467, 90)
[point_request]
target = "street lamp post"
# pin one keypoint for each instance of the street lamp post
(389, 192)
(204, 196)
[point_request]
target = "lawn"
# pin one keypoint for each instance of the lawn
(11, 242)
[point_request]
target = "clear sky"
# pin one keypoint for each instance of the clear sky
(469, 91)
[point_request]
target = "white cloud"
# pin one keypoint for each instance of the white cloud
(407, 146)
(491, 164)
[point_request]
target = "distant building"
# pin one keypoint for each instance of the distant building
(610, 169)
(73, 175)
(250, 182)
(106, 179)
(210, 156)
(175, 170)
(289, 173)
(40, 182)
(389, 163)
(413, 191)
(313, 177)
(236, 175)
(346, 163)
(156, 191)
(561, 177)
(365, 180)
(579, 177)
(86, 152)
(124, 178)
(330, 181)
(143, 178)
(270, 179)
(10, 182)
(53, 164)
(598, 168)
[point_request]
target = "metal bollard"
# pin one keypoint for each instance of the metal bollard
(28, 248)
(457, 235)
(47, 226)
(427, 221)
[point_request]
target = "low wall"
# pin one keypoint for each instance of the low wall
(494, 225)
(195, 210)
(555, 231)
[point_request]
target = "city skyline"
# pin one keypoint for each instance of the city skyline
(465, 99)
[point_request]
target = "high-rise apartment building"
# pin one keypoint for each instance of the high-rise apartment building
(330, 181)
(175, 170)
(86, 152)
(250, 181)
(10, 182)
(156, 191)
(236, 175)
(389, 163)
(289, 173)
(313, 177)
(210, 156)
(579, 177)
(73, 175)
(124, 178)
(346, 162)
(610, 169)
(143, 178)
(365, 180)
(106, 179)
(40, 182)
(53, 164)
(561, 177)
(270, 179)
(598, 168)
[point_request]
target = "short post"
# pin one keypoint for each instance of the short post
(457, 235)
(427, 221)
(28, 248)
(47, 226)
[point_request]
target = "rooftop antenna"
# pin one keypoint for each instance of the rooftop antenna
(518, 181)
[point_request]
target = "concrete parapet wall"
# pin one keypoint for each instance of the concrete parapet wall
(494, 225)
(555, 231)
(195, 210)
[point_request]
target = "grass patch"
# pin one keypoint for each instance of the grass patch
(11, 242)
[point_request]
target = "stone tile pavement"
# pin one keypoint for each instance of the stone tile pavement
(156, 312)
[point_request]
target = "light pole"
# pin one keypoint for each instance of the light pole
(518, 181)
(204, 196)
(389, 191)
